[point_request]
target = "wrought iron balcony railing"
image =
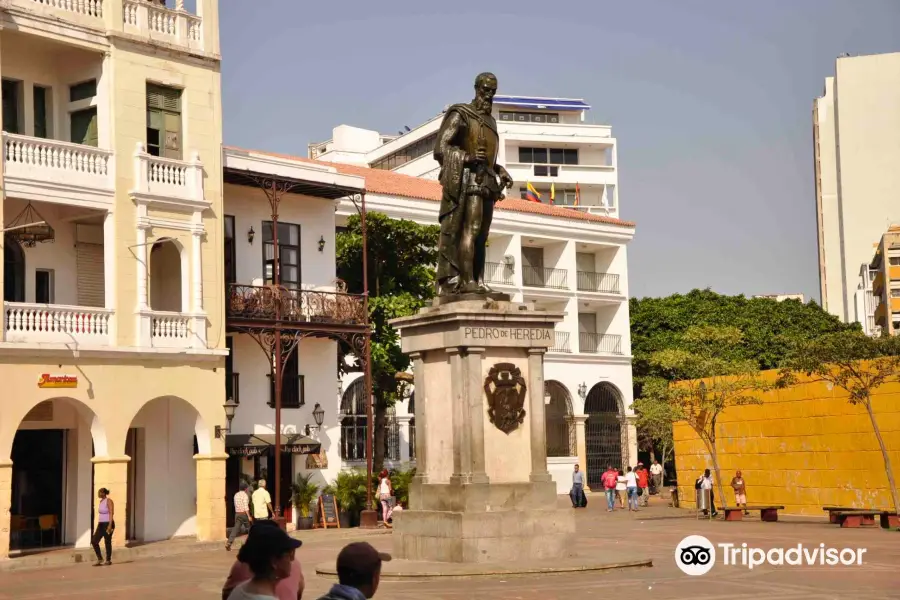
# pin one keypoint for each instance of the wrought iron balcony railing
(546, 278)
(261, 302)
(589, 281)
(498, 273)
(561, 342)
(599, 343)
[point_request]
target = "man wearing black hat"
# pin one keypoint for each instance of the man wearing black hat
(359, 572)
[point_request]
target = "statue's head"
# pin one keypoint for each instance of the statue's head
(485, 88)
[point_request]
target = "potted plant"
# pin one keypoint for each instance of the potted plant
(303, 491)
(349, 489)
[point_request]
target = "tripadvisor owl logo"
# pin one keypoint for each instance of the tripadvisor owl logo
(696, 555)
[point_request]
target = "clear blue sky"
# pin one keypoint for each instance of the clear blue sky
(710, 102)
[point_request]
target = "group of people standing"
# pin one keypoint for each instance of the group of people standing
(632, 484)
(704, 484)
(249, 508)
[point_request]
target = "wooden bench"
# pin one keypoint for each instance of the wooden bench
(833, 510)
(866, 518)
(766, 513)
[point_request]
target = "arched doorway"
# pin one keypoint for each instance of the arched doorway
(559, 426)
(603, 430)
(13, 270)
(166, 276)
(52, 488)
(162, 440)
(353, 425)
(353, 421)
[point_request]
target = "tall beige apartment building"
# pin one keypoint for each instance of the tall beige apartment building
(856, 139)
(112, 333)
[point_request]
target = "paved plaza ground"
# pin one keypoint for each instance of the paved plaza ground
(653, 532)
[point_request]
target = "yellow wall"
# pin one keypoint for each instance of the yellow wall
(803, 447)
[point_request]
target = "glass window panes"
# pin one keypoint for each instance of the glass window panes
(529, 117)
(553, 156)
(83, 90)
(895, 293)
(407, 153)
(557, 156)
(894, 260)
(288, 254)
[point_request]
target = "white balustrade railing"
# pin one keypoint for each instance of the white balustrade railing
(168, 177)
(88, 8)
(50, 323)
(170, 329)
(174, 26)
(53, 161)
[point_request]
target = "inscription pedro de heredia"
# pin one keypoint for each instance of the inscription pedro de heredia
(532, 334)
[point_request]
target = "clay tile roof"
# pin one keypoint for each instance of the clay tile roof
(381, 181)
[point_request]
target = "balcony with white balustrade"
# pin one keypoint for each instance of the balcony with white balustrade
(56, 171)
(167, 22)
(175, 26)
(55, 283)
(167, 180)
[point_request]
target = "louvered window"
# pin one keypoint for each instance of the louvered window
(164, 121)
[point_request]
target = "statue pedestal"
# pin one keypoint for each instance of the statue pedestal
(482, 492)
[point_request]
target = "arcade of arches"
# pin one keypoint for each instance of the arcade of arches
(121, 426)
(599, 437)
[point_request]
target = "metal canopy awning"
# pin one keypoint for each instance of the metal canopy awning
(262, 444)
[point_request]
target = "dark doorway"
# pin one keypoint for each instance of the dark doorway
(38, 484)
(287, 469)
(603, 432)
(13, 270)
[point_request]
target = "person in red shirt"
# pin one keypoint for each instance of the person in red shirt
(609, 479)
(643, 478)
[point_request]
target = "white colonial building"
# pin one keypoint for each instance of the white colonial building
(569, 255)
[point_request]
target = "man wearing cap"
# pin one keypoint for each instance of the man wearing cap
(359, 572)
(266, 535)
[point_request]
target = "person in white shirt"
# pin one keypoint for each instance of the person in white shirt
(656, 475)
(621, 489)
(262, 502)
(705, 483)
(631, 486)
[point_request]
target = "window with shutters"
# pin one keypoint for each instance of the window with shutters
(230, 258)
(13, 120)
(164, 121)
(292, 384)
(83, 126)
(288, 254)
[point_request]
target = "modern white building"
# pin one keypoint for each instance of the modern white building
(568, 256)
(856, 151)
(545, 141)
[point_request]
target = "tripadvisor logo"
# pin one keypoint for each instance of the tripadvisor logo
(696, 555)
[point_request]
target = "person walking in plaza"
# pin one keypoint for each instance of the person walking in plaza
(705, 483)
(288, 588)
(632, 489)
(579, 500)
(643, 481)
(621, 490)
(359, 572)
(656, 476)
(740, 491)
(269, 553)
(242, 517)
(386, 496)
(106, 524)
(608, 479)
(262, 502)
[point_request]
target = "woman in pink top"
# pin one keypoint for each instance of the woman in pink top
(106, 524)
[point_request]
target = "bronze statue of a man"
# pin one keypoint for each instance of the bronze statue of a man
(472, 182)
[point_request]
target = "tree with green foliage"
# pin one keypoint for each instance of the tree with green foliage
(769, 329)
(702, 375)
(401, 256)
(857, 364)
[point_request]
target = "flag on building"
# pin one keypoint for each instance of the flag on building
(531, 194)
(552, 192)
(577, 195)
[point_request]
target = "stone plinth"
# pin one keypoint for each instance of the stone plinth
(482, 492)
